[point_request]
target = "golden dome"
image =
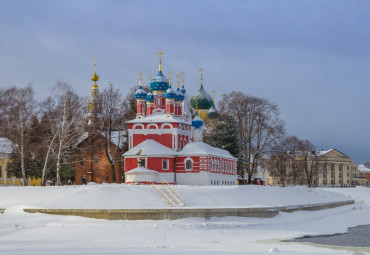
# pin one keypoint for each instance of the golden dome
(95, 77)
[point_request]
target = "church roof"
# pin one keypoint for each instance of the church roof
(141, 170)
(205, 101)
(199, 148)
(212, 113)
(140, 93)
(159, 118)
(159, 82)
(6, 146)
(150, 148)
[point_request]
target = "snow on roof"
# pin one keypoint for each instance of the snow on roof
(199, 148)
(320, 153)
(117, 138)
(150, 147)
(141, 170)
(159, 117)
(363, 168)
(6, 146)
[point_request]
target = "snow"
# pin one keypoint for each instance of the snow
(25, 233)
(150, 147)
(362, 168)
(159, 118)
(199, 148)
(141, 170)
(6, 146)
(320, 153)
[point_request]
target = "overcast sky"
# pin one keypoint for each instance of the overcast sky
(312, 58)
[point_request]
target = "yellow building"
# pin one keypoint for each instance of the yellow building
(6, 147)
(334, 168)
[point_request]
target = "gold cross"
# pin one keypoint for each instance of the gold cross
(169, 78)
(213, 92)
(160, 53)
(178, 80)
(201, 76)
(182, 78)
(140, 78)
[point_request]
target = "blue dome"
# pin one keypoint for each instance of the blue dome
(140, 93)
(197, 122)
(179, 95)
(169, 94)
(159, 82)
(183, 90)
(150, 97)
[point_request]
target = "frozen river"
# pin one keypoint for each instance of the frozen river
(356, 237)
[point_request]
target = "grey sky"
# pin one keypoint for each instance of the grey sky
(312, 58)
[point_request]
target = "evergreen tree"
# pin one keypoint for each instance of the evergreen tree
(225, 136)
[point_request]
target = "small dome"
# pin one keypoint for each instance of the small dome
(197, 122)
(212, 113)
(150, 97)
(183, 90)
(159, 82)
(179, 95)
(140, 93)
(169, 94)
(204, 99)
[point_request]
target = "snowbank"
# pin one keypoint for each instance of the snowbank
(120, 196)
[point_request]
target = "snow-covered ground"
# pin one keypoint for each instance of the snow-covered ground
(23, 233)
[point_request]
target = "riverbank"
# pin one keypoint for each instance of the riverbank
(27, 233)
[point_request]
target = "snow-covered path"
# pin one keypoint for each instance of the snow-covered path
(23, 233)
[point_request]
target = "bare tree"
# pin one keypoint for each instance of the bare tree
(279, 160)
(17, 109)
(259, 126)
(66, 125)
(292, 146)
(309, 157)
(112, 114)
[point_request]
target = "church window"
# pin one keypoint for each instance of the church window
(188, 164)
(211, 182)
(165, 164)
(81, 163)
(1, 171)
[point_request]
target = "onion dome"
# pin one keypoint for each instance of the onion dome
(205, 101)
(159, 82)
(140, 93)
(169, 94)
(197, 121)
(150, 97)
(201, 100)
(183, 90)
(179, 95)
(212, 113)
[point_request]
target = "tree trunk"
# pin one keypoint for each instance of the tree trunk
(46, 162)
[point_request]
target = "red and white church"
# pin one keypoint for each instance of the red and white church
(165, 144)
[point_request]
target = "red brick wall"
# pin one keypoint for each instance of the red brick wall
(96, 166)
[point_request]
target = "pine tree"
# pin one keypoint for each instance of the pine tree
(225, 136)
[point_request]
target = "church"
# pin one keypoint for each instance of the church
(165, 143)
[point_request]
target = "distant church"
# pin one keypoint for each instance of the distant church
(165, 143)
(93, 148)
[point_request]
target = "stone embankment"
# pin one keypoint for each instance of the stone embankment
(179, 213)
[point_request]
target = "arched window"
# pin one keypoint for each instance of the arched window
(188, 165)
(211, 182)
